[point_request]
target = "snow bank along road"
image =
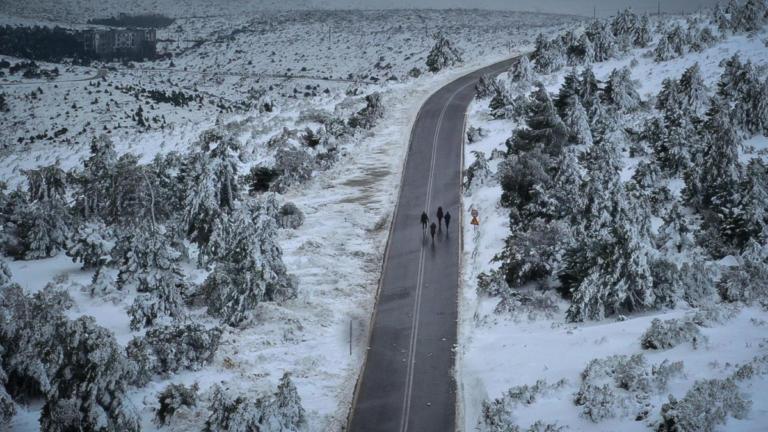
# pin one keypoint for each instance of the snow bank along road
(407, 382)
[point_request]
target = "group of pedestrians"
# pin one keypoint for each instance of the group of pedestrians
(433, 228)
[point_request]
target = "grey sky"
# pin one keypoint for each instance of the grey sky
(580, 7)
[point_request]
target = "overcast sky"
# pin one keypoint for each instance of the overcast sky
(580, 7)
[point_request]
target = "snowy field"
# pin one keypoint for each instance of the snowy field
(334, 257)
(504, 351)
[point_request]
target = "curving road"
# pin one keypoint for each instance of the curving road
(408, 382)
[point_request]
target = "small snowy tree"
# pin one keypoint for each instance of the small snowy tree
(521, 73)
(443, 54)
(172, 399)
(693, 90)
(548, 55)
(163, 350)
(91, 244)
(485, 87)
(620, 91)
(367, 117)
(290, 216)
(249, 266)
(603, 41)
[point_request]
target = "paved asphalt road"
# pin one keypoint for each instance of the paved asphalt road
(407, 383)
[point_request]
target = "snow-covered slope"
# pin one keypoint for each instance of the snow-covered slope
(507, 346)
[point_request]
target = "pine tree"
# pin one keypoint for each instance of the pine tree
(720, 18)
(693, 90)
(578, 122)
(581, 51)
(91, 245)
(620, 91)
(749, 219)
(544, 125)
(620, 279)
(675, 235)
(571, 87)
(548, 55)
(143, 252)
(751, 16)
(287, 413)
(625, 26)
(167, 349)
(720, 170)
(643, 33)
(663, 50)
(588, 90)
(88, 391)
(521, 73)
(603, 42)
(249, 266)
(443, 54)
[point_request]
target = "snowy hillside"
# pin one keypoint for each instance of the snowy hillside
(618, 277)
(204, 233)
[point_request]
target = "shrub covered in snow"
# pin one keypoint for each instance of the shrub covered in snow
(498, 414)
(290, 216)
(172, 399)
(707, 404)
(367, 117)
(172, 348)
(749, 282)
(281, 412)
(622, 384)
(671, 333)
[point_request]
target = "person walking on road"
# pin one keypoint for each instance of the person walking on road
(432, 229)
(447, 219)
(439, 217)
(424, 222)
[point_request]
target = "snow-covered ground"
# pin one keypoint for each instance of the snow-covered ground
(498, 351)
(336, 254)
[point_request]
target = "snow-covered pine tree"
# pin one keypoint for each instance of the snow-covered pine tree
(91, 244)
(749, 219)
(675, 236)
(285, 412)
(233, 414)
(521, 73)
(720, 18)
(719, 173)
(485, 87)
(212, 186)
(692, 90)
(748, 282)
(88, 389)
(571, 87)
(580, 51)
(663, 50)
(679, 137)
(544, 126)
(143, 251)
(172, 348)
(643, 33)
(750, 16)
(43, 221)
(172, 399)
(249, 266)
(603, 42)
(162, 299)
(443, 54)
(577, 121)
(501, 105)
(620, 91)
(620, 281)
(588, 89)
(625, 26)
(548, 55)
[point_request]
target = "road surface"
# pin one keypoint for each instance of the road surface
(407, 382)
